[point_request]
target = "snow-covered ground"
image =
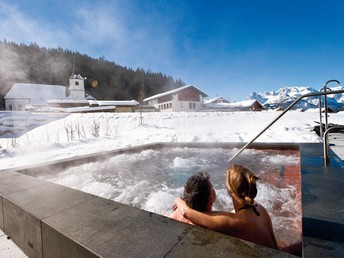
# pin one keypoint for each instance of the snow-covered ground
(79, 134)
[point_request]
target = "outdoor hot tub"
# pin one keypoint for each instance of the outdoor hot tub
(150, 177)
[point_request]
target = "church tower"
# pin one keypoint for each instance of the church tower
(76, 87)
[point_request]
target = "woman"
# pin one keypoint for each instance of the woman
(250, 221)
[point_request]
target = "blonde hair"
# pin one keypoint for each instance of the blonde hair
(242, 182)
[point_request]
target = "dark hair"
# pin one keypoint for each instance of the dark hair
(197, 191)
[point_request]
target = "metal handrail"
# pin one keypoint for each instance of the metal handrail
(325, 141)
(325, 88)
(285, 111)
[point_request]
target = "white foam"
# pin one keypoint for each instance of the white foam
(161, 201)
(181, 162)
(281, 159)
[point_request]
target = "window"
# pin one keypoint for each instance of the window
(10, 107)
(192, 105)
(76, 83)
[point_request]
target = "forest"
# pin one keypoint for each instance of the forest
(20, 63)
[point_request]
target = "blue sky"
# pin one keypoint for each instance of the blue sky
(226, 48)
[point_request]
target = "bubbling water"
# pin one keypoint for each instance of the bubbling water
(151, 180)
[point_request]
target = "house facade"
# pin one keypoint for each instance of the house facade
(187, 98)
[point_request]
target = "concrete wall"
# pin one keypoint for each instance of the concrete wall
(16, 104)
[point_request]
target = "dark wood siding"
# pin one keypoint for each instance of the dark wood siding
(188, 95)
(165, 98)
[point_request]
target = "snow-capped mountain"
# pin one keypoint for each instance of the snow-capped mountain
(283, 97)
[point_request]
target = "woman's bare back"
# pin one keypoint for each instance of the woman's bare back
(254, 225)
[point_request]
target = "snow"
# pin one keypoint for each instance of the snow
(86, 133)
(29, 91)
(174, 92)
(8, 248)
(85, 109)
(116, 102)
(67, 101)
(233, 105)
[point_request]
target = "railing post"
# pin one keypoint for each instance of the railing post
(320, 119)
(326, 144)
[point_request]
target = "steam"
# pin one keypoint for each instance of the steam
(11, 68)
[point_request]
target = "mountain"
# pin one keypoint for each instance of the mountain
(285, 96)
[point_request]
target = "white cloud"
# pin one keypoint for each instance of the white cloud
(119, 31)
(17, 27)
(99, 26)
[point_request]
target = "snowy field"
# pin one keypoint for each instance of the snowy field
(79, 134)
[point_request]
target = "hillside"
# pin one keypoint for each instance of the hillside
(35, 64)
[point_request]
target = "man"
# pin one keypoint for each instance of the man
(199, 194)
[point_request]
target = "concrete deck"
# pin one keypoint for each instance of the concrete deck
(48, 220)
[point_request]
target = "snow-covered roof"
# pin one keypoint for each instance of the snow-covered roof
(117, 102)
(38, 93)
(77, 76)
(174, 92)
(67, 101)
(238, 104)
(85, 109)
(244, 103)
(213, 100)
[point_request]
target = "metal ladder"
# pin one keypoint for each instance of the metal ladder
(325, 141)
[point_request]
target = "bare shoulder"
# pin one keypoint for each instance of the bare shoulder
(224, 222)
(262, 210)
